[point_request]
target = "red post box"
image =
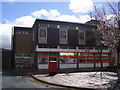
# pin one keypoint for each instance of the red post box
(52, 68)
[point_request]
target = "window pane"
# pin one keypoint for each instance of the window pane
(81, 35)
(43, 60)
(26, 60)
(42, 33)
(63, 34)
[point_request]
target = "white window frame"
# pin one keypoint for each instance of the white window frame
(66, 34)
(39, 33)
(79, 35)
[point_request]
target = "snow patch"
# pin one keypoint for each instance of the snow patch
(82, 79)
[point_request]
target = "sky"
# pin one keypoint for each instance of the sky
(21, 13)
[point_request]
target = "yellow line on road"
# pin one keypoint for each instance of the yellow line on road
(34, 80)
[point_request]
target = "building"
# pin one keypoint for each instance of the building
(22, 46)
(6, 58)
(72, 45)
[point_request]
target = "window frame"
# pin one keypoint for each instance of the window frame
(39, 33)
(83, 34)
(60, 34)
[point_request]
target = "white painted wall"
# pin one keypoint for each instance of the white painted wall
(46, 66)
(68, 65)
(43, 66)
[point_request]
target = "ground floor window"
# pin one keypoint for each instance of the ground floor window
(70, 60)
(42, 60)
(19, 62)
(67, 57)
(45, 57)
(92, 57)
(22, 60)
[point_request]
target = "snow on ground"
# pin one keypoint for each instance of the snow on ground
(82, 79)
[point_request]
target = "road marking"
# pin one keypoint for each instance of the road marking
(32, 79)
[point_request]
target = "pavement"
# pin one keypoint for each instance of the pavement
(58, 85)
(63, 86)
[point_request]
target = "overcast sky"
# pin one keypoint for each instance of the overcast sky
(24, 13)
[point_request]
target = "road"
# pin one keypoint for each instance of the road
(12, 81)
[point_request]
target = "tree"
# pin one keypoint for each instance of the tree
(108, 27)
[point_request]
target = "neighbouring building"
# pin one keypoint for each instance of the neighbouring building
(6, 58)
(72, 45)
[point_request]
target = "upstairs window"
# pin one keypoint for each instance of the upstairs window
(63, 34)
(42, 33)
(81, 35)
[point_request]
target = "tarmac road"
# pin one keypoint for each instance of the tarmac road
(13, 81)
